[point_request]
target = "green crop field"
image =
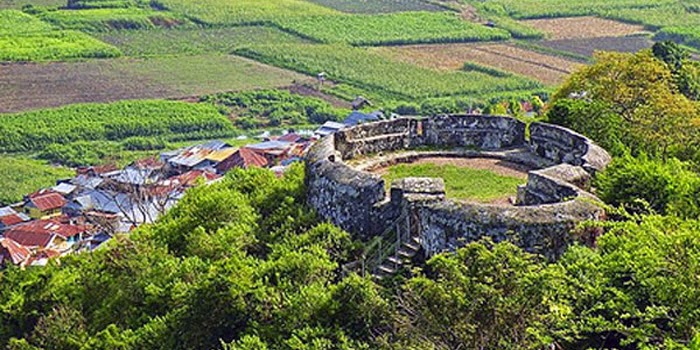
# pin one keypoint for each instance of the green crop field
(104, 19)
(17, 4)
(656, 17)
(194, 41)
(392, 29)
(32, 131)
(379, 6)
(460, 182)
(243, 11)
(565, 8)
(21, 176)
(361, 68)
(26, 38)
(205, 74)
(686, 35)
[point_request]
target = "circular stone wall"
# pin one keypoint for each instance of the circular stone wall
(548, 207)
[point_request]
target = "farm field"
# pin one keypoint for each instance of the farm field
(378, 6)
(524, 9)
(194, 41)
(364, 69)
(111, 19)
(583, 27)
(244, 11)
(32, 131)
(20, 176)
(26, 38)
(480, 180)
(32, 86)
(17, 4)
(392, 29)
(545, 68)
(686, 35)
(587, 46)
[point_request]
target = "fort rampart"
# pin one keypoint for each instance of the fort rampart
(551, 204)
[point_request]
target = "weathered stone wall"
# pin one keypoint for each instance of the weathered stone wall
(562, 145)
(544, 229)
(483, 132)
(549, 205)
(340, 193)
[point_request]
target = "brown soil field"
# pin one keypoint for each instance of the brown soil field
(583, 27)
(587, 46)
(548, 69)
(35, 86)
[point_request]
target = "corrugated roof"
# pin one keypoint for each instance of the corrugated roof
(15, 251)
(64, 188)
(243, 158)
(270, 145)
(10, 220)
(39, 233)
(5, 211)
(220, 155)
(49, 201)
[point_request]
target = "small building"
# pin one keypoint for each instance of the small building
(360, 102)
(356, 118)
(243, 158)
(44, 206)
(328, 128)
(12, 253)
(42, 234)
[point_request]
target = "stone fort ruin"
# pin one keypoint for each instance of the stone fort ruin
(416, 212)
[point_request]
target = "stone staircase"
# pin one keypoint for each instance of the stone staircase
(401, 257)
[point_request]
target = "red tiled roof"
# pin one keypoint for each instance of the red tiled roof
(38, 233)
(13, 251)
(10, 220)
(48, 201)
(243, 158)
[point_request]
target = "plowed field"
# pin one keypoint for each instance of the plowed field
(547, 69)
(583, 27)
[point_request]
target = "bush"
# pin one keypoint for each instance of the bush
(667, 187)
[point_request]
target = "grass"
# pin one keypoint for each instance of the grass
(160, 42)
(26, 38)
(228, 12)
(392, 29)
(460, 183)
(20, 176)
(17, 4)
(689, 35)
(565, 8)
(205, 74)
(378, 74)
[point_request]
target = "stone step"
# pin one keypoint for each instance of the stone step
(396, 261)
(407, 253)
(387, 270)
(412, 246)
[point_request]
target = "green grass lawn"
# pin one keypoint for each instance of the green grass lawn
(21, 176)
(460, 183)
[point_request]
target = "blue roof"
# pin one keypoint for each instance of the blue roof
(215, 145)
(357, 118)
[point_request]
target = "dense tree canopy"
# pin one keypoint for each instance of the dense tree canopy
(244, 264)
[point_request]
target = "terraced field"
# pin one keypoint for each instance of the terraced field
(587, 46)
(380, 74)
(548, 69)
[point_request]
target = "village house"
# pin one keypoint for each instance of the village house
(43, 234)
(44, 204)
(9, 217)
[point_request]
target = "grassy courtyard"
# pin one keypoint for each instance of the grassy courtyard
(479, 185)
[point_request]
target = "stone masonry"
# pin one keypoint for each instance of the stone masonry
(551, 204)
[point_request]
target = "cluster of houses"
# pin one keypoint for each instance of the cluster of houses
(83, 212)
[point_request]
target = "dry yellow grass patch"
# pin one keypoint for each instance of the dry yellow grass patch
(583, 27)
(548, 69)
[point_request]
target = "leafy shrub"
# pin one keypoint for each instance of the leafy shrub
(667, 187)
